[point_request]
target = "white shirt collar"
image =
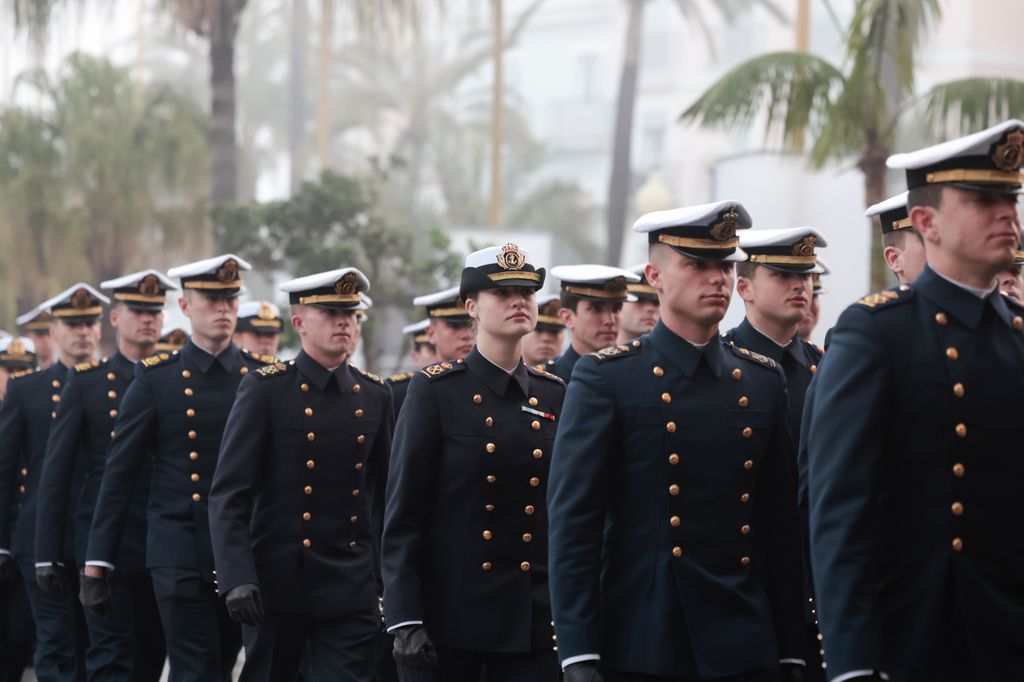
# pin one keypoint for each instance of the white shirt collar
(979, 292)
(508, 372)
(767, 336)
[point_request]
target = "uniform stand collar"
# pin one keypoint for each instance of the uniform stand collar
(204, 362)
(684, 354)
(952, 299)
(748, 336)
(124, 367)
(321, 377)
(496, 378)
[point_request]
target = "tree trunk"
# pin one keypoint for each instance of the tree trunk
(872, 164)
(297, 93)
(223, 148)
(323, 104)
(620, 184)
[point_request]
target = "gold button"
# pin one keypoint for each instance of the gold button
(745, 497)
(190, 412)
(186, 374)
(359, 412)
(744, 561)
(958, 544)
(53, 415)
(527, 537)
(55, 383)
(491, 478)
(537, 454)
(489, 507)
(1018, 322)
(352, 545)
(356, 388)
(941, 319)
(304, 388)
(673, 458)
(55, 398)
(489, 421)
(529, 509)
(673, 489)
(745, 529)
(748, 465)
(670, 427)
(737, 374)
(958, 390)
(21, 488)
(952, 353)
(24, 471)
(353, 519)
(310, 464)
(487, 535)
(359, 466)
(534, 481)
(311, 436)
(111, 376)
(112, 433)
(194, 477)
(355, 493)
(677, 552)
(196, 497)
(308, 411)
(748, 432)
(535, 425)
(666, 398)
(306, 543)
(957, 508)
(743, 401)
(306, 516)
(675, 521)
(961, 430)
(192, 435)
(525, 566)
(658, 371)
(360, 439)
(308, 490)
(193, 455)
(532, 401)
(904, 287)
(814, 369)
(113, 413)
(477, 398)
(486, 565)
(490, 447)
(189, 392)
(958, 470)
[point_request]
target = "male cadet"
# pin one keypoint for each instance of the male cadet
(298, 496)
(17, 629)
(675, 543)
(916, 532)
(28, 411)
(174, 412)
(545, 342)
(36, 326)
(172, 337)
(259, 328)
(126, 644)
(423, 353)
(592, 298)
(902, 246)
(638, 317)
(1010, 280)
(810, 322)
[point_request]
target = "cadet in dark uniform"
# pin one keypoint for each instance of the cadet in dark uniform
(810, 322)
(423, 354)
(28, 412)
(902, 247)
(465, 534)
(297, 501)
(675, 541)
(17, 629)
(259, 327)
(592, 298)
(35, 324)
(127, 644)
(914, 475)
(638, 317)
(545, 342)
(174, 412)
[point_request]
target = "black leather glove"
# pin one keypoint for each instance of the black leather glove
(8, 568)
(244, 604)
(51, 579)
(94, 593)
(584, 671)
(413, 648)
(792, 672)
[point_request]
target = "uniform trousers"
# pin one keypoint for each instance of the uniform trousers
(756, 676)
(17, 630)
(455, 665)
(202, 640)
(61, 636)
(127, 646)
(338, 649)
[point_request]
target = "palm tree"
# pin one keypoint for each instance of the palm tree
(855, 109)
(620, 182)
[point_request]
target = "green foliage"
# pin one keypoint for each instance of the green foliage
(961, 106)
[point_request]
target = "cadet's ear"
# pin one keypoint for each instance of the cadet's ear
(653, 275)
(924, 220)
(183, 303)
(744, 289)
(567, 316)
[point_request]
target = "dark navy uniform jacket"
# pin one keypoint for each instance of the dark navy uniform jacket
(399, 385)
(915, 468)
(297, 502)
(26, 415)
(674, 537)
(175, 408)
(465, 536)
(79, 439)
(562, 366)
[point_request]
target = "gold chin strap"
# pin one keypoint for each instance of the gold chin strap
(329, 298)
(693, 243)
(204, 284)
(457, 311)
(969, 175)
(514, 274)
(784, 260)
(276, 324)
(902, 224)
(642, 289)
(597, 293)
(549, 319)
(141, 298)
(78, 312)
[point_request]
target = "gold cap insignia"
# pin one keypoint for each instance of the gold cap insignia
(16, 347)
(726, 229)
(1009, 156)
(265, 312)
(551, 307)
(81, 299)
(805, 247)
(149, 286)
(616, 284)
(347, 285)
(510, 258)
(177, 337)
(228, 272)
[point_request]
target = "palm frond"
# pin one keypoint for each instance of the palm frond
(964, 106)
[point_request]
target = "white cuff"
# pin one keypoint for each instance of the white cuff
(403, 624)
(104, 564)
(44, 564)
(6, 551)
(795, 661)
(579, 659)
(858, 673)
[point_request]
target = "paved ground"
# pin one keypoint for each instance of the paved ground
(30, 676)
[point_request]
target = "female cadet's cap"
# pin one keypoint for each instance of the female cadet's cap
(499, 266)
(78, 303)
(217, 276)
(596, 282)
(892, 213)
(334, 289)
(706, 231)
(145, 290)
(259, 317)
(17, 352)
(789, 249)
(989, 160)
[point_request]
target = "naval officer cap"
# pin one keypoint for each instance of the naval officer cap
(788, 249)
(76, 304)
(145, 290)
(36, 320)
(444, 305)
(548, 320)
(989, 160)
(642, 289)
(335, 289)
(706, 231)
(816, 286)
(418, 331)
(259, 317)
(365, 303)
(17, 352)
(217, 276)
(172, 337)
(596, 282)
(499, 266)
(892, 213)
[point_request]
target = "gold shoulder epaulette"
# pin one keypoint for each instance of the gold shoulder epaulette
(751, 355)
(23, 373)
(258, 357)
(883, 299)
(157, 360)
(88, 365)
(538, 370)
(273, 369)
(369, 375)
(442, 369)
(621, 350)
(400, 377)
